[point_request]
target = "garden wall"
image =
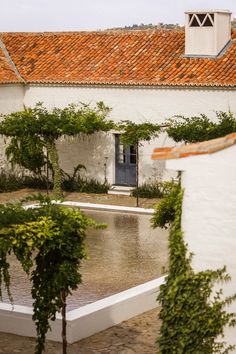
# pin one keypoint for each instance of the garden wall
(209, 213)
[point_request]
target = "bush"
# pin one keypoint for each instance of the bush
(10, 181)
(164, 213)
(85, 186)
(153, 189)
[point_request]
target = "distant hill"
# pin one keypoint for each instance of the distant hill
(158, 26)
(149, 26)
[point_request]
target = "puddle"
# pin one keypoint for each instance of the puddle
(128, 253)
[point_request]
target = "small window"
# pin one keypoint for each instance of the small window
(132, 154)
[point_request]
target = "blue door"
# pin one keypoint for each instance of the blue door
(125, 163)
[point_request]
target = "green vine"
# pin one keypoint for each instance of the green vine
(35, 129)
(49, 243)
(193, 316)
(201, 128)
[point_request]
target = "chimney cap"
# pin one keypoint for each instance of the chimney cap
(207, 11)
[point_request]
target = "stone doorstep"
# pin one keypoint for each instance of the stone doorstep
(121, 190)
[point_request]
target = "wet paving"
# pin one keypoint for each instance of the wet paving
(128, 253)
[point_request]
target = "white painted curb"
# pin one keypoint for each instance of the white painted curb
(107, 207)
(89, 319)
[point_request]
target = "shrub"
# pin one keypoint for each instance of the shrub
(9, 182)
(153, 189)
(165, 211)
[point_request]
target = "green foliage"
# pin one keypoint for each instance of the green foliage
(35, 129)
(165, 210)
(192, 315)
(153, 189)
(49, 243)
(76, 183)
(133, 134)
(26, 151)
(9, 182)
(200, 128)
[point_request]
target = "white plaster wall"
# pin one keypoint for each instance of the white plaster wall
(139, 104)
(11, 100)
(209, 213)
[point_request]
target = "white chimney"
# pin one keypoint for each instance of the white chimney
(206, 32)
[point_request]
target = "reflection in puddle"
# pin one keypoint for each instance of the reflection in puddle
(128, 253)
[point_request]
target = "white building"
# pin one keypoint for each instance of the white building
(142, 75)
(208, 175)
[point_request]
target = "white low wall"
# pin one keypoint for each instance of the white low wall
(87, 320)
(106, 207)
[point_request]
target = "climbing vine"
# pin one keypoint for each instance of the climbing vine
(34, 130)
(192, 317)
(200, 128)
(49, 243)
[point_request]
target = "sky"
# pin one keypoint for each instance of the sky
(87, 15)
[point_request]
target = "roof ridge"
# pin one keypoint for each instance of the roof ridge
(98, 32)
(10, 61)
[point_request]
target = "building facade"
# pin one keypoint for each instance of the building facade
(147, 75)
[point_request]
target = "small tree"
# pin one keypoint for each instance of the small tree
(35, 129)
(49, 243)
(192, 315)
(135, 134)
(200, 128)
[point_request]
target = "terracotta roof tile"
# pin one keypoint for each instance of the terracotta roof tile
(7, 73)
(117, 57)
(205, 147)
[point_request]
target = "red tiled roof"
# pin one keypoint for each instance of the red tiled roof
(205, 147)
(117, 57)
(7, 73)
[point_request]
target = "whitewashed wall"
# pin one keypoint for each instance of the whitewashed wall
(209, 213)
(139, 104)
(11, 100)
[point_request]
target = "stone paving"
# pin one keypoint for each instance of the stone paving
(135, 336)
(84, 197)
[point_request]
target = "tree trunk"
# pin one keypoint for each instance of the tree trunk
(54, 158)
(63, 313)
(137, 174)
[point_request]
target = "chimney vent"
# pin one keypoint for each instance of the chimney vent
(206, 32)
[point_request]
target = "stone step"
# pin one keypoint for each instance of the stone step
(120, 190)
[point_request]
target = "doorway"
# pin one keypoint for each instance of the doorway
(125, 163)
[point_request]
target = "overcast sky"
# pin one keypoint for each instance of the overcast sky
(77, 15)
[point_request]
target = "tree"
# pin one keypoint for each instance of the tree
(135, 134)
(193, 315)
(49, 243)
(200, 128)
(33, 130)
